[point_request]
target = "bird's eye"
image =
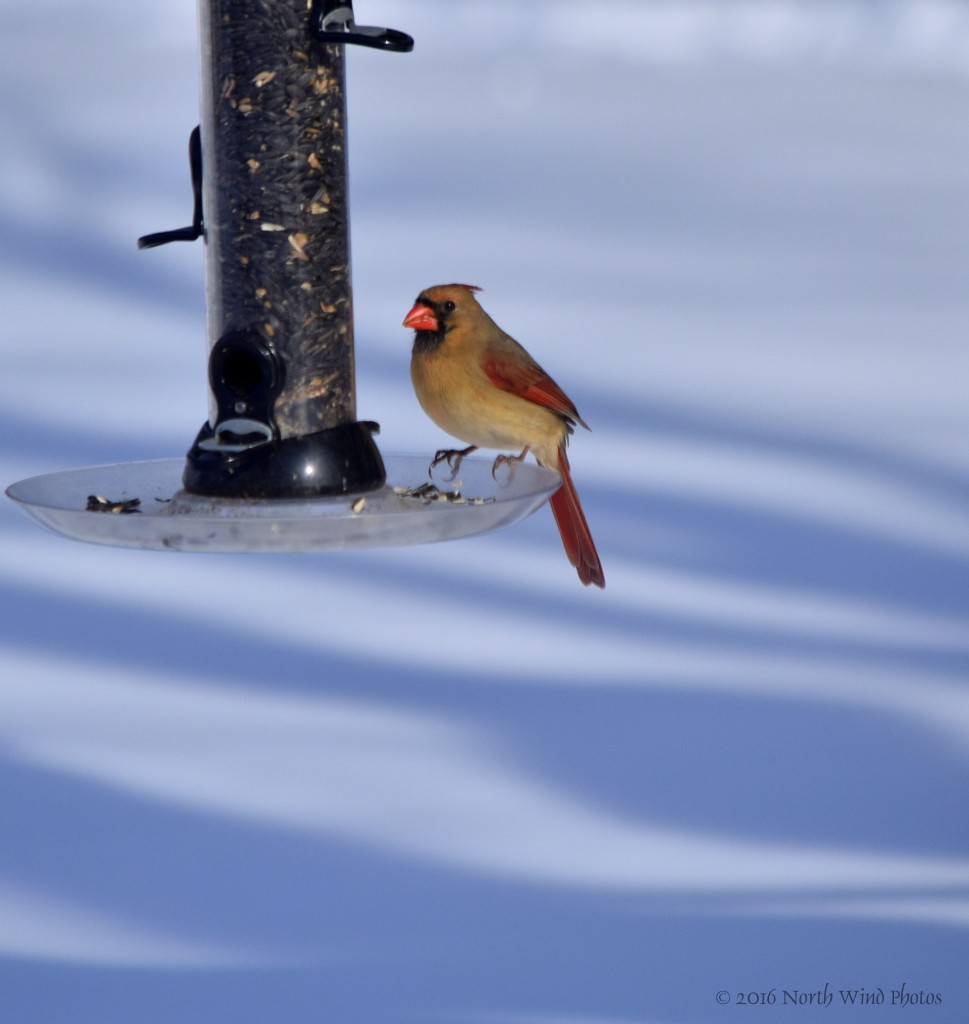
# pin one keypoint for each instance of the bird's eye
(449, 306)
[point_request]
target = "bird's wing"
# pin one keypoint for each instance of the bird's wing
(529, 381)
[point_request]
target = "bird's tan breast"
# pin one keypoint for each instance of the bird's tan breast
(461, 400)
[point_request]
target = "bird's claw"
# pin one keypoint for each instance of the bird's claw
(511, 461)
(453, 457)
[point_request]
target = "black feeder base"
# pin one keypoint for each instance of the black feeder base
(337, 461)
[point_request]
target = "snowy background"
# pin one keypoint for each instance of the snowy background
(448, 783)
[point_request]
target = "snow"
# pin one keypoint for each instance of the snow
(448, 782)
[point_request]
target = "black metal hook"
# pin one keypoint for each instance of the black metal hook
(198, 228)
(332, 22)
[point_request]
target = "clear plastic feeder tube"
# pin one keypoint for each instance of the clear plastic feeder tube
(275, 197)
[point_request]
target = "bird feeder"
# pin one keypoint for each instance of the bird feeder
(282, 463)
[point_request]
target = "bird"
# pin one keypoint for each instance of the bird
(481, 386)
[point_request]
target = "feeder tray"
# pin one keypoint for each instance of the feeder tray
(143, 505)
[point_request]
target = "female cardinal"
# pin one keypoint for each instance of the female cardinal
(479, 384)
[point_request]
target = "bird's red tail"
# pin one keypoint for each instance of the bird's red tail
(574, 529)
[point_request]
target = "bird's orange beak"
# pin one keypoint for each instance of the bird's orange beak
(421, 318)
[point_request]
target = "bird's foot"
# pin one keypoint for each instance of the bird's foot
(511, 461)
(453, 457)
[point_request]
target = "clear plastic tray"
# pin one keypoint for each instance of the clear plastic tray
(167, 518)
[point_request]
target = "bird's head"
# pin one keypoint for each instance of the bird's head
(440, 309)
